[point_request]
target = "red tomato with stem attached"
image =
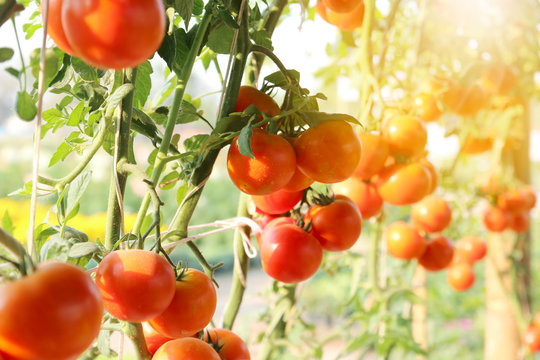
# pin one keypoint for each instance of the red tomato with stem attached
(191, 308)
(53, 314)
(375, 151)
(55, 29)
(288, 253)
(329, 152)
(432, 214)
(337, 225)
(470, 249)
(365, 195)
(136, 285)
(112, 34)
(460, 276)
(403, 241)
(271, 169)
(438, 255)
(230, 345)
(186, 349)
(278, 202)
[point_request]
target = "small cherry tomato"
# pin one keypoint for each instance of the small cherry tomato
(278, 202)
(470, 249)
(406, 135)
(186, 348)
(248, 95)
(496, 220)
(403, 241)
(230, 345)
(438, 255)
(403, 184)
(364, 195)
(431, 214)
(375, 151)
(460, 276)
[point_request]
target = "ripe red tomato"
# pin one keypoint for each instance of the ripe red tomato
(54, 26)
(530, 196)
(153, 339)
(519, 222)
(278, 202)
(53, 314)
(248, 95)
(375, 151)
(186, 348)
(232, 347)
(403, 241)
(273, 167)
(496, 220)
(337, 225)
(363, 194)
(438, 255)
(432, 214)
(299, 181)
(329, 152)
(112, 34)
(406, 135)
(403, 184)
(341, 6)
(426, 107)
(513, 200)
(288, 253)
(136, 285)
(460, 276)
(470, 249)
(191, 308)
(531, 339)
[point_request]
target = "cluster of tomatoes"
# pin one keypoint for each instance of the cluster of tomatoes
(107, 35)
(347, 15)
(509, 209)
(40, 311)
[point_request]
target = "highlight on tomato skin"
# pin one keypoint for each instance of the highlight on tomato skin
(403, 241)
(460, 276)
(54, 26)
(432, 214)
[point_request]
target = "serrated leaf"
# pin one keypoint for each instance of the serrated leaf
(116, 97)
(65, 74)
(25, 106)
(85, 71)
(6, 54)
(143, 84)
(7, 223)
(278, 78)
(144, 125)
(77, 115)
(220, 39)
(262, 38)
(228, 19)
(63, 150)
(185, 9)
(30, 29)
(196, 142)
(244, 141)
(75, 192)
(83, 249)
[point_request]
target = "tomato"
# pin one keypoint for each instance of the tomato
(496, 220)
(432, 214)
(499, 79)
(476, 145)
(344, 21)
(268, 221)
(186, 349)
(278, 202)
(403, 241)
(232, 347)
(426, 107)
(460, 276)
(136, 285)
(271, 169)
(53, 314)
(55, 28)
(191, 308)
(248, 95)
(363, 194)
(434, 175)
(329, 152)
(513, 200)
(519, 222)
(406, 135)
(288, 253)
(438, 255)
(113, 34)
(464, 101)
(153, 339)
(299, 181)
(470, 249)
(375, 151)
(403, 184)
(342, 6)
(337, 225)
(530, 196)
(536, 320)
(531, 339)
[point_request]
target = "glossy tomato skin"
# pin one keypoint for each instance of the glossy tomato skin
(288, 253)
(438, 255)
(513, 200)
(430, 215)
(460, 276)
(299, 181)
(406, 135)
(273, 167)
(470, 249)
(191, 308)
(426, 107)
(278, 202)
(347, 21)
(337, 225)
(434, 178)
(153, 339)
(53, 314)
(496, 220)
(365, 195)
(519, 222)
(375, 151)
(55, 29)
(403, 184)
(186, 349)
(109, 34)
(136, 285)
(341, 6)
(249, 95)
(232, 345)
(403, 241)
(329, 152)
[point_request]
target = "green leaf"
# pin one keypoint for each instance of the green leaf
(6, 54)
(144, 125)
(198, 7)
(227, 18)
(85, 71)
(75, 192)
(181, 49)
(181, 193)
(65, 102)
(262, 38)
(78, 114)
(220, 39)
(7, 223)
(278, 78)
(25, 190)
(25, 106)
(313, 118)
(83, 249)
(64, 75)
(169, 180)
(185, 9)
(13, 72)
(196, 142)
(187, 114)
(167, 49)
(143, 84)
(121, 92)
(63, 150)
(30, 29)
(244, 141)
(52, 64)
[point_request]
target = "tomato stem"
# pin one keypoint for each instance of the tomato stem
(134, 332)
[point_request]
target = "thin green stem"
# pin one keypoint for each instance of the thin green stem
(134, 332)
(275, 59)
(20, 54)
(12, 245)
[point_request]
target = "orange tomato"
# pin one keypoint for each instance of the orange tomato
(432, 214)
(406, 135)
(531, 339)
(375, 151)
(460, 276)
(342, 6)
(470, 249)
(499, 79)
(530, 196)
(153, 339)
(54, 26)
(403, 184)
(513, 200)
(188, 349)
(464, 101)
(476, 145)
(278, 202)
(434, 175)
(496, 220)
(230, 345)
(426, 107)
(249, 95)
(519, 222)
(403, 241)
(438, 255)
(344, 21)
(363, 194)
